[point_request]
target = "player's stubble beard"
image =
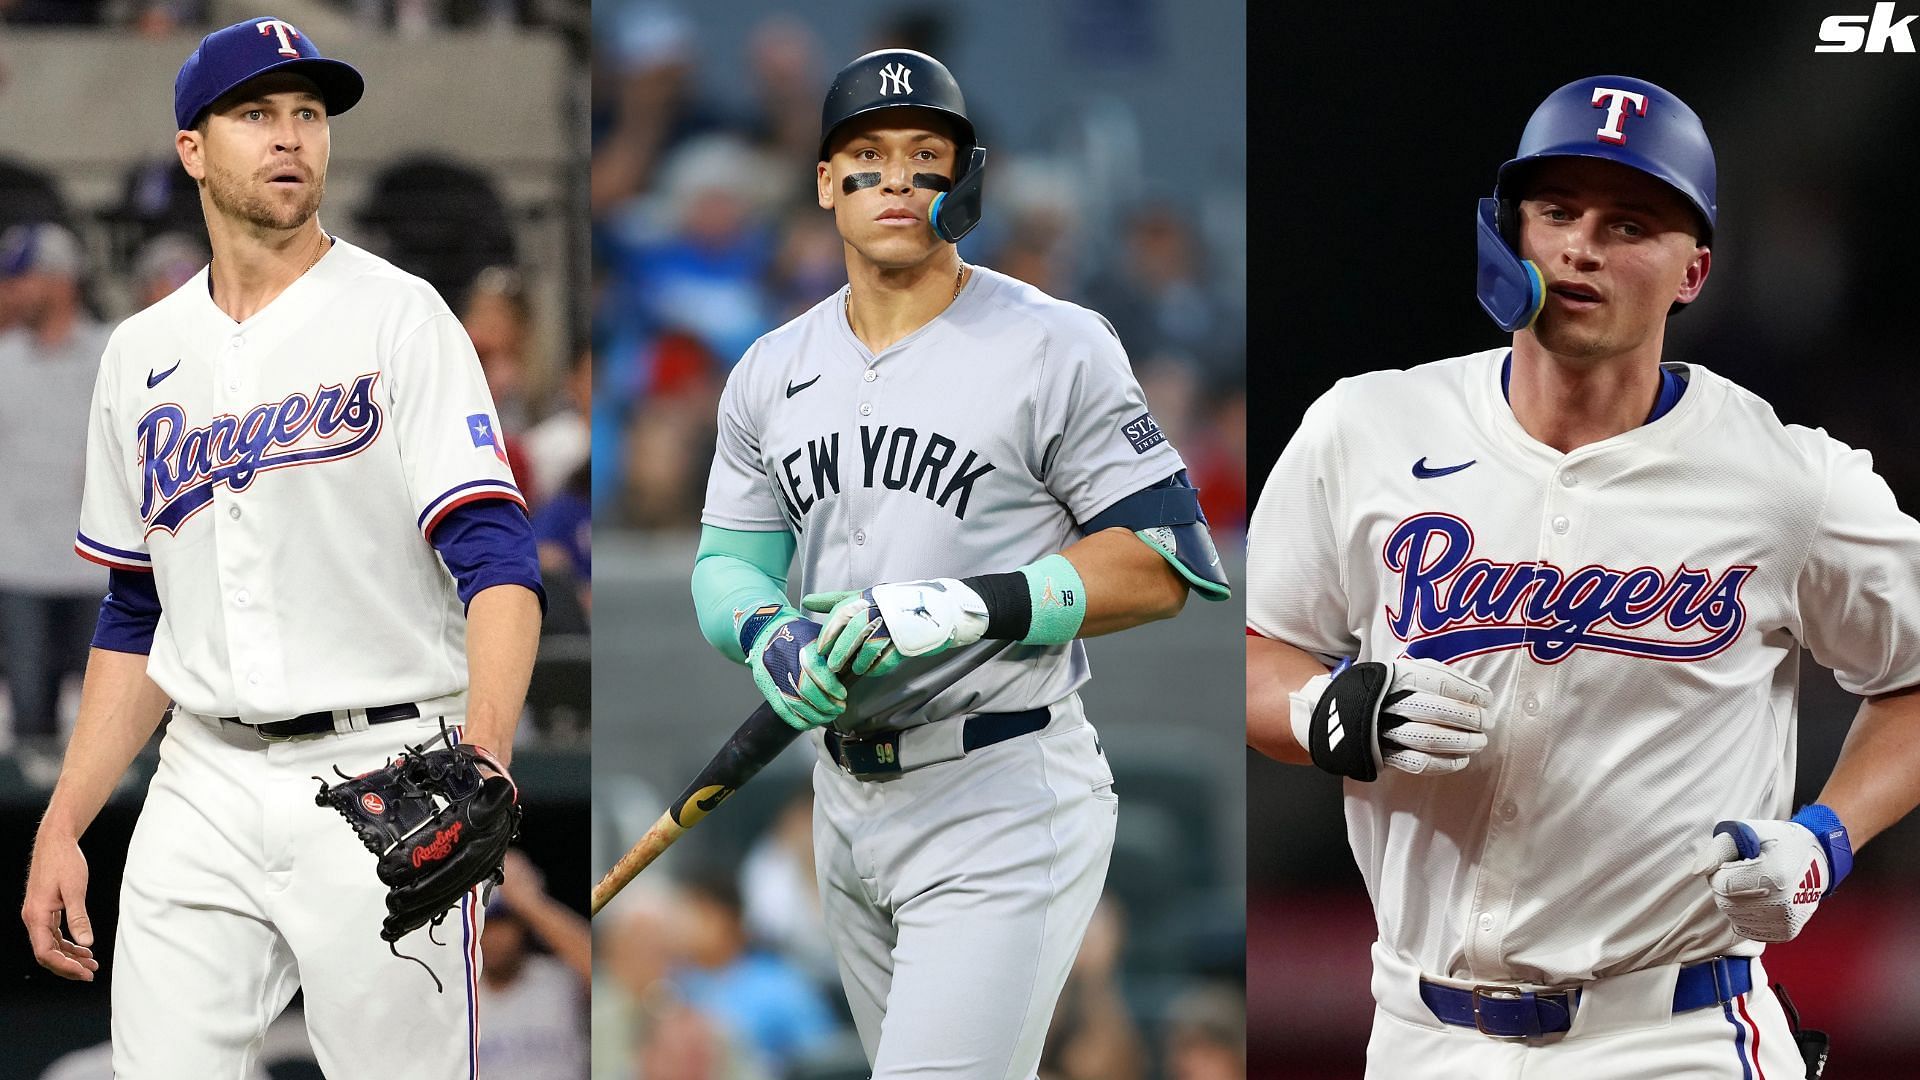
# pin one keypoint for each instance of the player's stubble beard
(232, 196)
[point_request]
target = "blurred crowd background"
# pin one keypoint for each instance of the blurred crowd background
(1384, 142)
(477, 185)
(1116, 179)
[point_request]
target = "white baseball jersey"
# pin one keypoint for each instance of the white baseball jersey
(1638, 607)
(973, 445)
(279, 477)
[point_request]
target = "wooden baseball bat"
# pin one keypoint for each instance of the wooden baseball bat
(754, 743)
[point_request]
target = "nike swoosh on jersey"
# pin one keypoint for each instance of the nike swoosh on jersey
(793, 388)
(155, 380)
(1422, 472)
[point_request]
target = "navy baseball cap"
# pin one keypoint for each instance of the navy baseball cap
(226, 58)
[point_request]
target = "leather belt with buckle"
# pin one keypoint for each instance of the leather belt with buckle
(1515, 1012)
(319, 723)
(879, 753)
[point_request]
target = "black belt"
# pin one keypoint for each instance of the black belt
(320, 723)
(879, 752)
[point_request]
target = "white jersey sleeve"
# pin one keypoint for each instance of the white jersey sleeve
(112, 531)
(445, 423)
(739, 495)
(1857, 594)
(1098, 441)
(1295, 580)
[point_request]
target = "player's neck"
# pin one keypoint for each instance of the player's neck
(885, 305)
(252, 266)
(1569, 403)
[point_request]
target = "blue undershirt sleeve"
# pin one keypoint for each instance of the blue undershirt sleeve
(129, 613)
(486, 543)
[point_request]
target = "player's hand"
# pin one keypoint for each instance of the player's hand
(1419, 716)
(855, 639)
(792, 675)
(57, 888)
(921, 617)
(1768, 877)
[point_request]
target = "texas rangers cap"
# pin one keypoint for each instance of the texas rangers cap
(226, 58)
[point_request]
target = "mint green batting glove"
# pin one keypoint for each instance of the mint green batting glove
(788, 669)
(855, 638)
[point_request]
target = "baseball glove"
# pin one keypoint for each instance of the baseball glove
(437, 824)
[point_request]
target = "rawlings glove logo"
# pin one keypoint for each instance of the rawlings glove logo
(440, 848)
(1452, 605)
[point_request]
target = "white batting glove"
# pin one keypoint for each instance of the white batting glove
(928, 616)
(1419, 716)
(1770, 876)
(918, 617)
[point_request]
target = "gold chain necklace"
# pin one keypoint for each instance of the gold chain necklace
(957, 276)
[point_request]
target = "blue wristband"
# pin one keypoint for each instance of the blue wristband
(1825, 826)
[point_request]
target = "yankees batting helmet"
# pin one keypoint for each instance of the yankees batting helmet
(1610, 117)
(896, 78)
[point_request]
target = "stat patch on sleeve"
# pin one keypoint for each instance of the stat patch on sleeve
(481, 427)
(1144, 433)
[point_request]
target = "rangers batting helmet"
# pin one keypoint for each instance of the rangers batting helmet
(897, 78)
(1610, 117)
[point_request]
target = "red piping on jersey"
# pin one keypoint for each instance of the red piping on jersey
(513, 497)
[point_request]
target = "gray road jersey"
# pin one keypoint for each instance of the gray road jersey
(973, 445)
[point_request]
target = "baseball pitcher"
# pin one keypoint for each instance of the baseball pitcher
(318, 556)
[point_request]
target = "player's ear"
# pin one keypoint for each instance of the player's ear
(823, 181)
(191, 147)
(1696, 278)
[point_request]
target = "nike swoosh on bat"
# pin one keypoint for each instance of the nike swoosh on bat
(794, 388)
(1422, 472)
(155, 380)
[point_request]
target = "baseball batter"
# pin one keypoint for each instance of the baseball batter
(962, 475)
(286, 457)
(1577, 581)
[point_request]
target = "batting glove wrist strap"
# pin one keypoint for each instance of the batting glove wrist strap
(1042, 603)
(1418, 716)
(1824, 824)
(1768, 877)
(788, 669)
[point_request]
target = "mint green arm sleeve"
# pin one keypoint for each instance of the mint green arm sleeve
(737, 571)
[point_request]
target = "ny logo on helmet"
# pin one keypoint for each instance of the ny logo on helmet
(285, 30)
(896, 78)
(1616, 102)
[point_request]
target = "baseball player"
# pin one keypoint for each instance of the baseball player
(962, 476)
(1563, 587)
(286, 458)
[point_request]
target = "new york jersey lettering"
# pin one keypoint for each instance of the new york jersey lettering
(891, 458)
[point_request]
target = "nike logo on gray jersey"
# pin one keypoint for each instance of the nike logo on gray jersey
(794, 388)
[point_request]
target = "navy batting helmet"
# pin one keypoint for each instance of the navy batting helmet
(1610, 117)
(897, 78)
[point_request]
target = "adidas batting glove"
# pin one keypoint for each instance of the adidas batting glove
(1419, 716)
(1770, 876)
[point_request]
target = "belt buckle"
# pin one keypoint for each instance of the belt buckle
(266, 738)
(885, 751)
(1569, 999)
